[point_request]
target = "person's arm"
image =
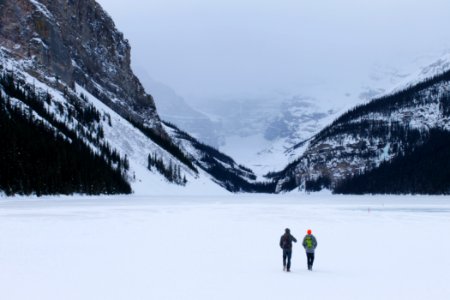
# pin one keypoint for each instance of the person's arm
(281, 242)
(294, 239)
(304, 242)
(315, 242)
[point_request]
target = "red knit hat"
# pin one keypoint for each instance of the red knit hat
(309, 231)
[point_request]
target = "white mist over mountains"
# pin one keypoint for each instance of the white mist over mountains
(267, 74)
(210, 49)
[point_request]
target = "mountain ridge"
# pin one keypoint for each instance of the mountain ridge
(71, 53)
(369, 134)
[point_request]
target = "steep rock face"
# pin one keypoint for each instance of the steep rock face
(75, 41)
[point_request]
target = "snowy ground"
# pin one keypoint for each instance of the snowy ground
(223, 247)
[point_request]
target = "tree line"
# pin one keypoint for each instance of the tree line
(171, 171)
(235, 178)
(46, 156)
(420, 169)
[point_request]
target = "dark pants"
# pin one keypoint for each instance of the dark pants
(310, 259)
(287, 254)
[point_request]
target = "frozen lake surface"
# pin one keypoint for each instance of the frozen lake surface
(223, 247)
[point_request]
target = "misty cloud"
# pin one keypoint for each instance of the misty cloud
(207, 49)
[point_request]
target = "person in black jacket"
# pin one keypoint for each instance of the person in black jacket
(286, 244)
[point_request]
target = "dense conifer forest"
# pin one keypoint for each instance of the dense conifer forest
(424, 169)
(42, 155)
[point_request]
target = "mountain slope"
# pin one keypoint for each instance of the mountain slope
(263, 131)
(364, 137)
(41, 155)
(222, 168)
(72, 57)
(64, 113)
(422, 170)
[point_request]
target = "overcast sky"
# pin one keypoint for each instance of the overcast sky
(217, 48)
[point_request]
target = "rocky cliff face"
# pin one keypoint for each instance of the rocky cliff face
(76, 42)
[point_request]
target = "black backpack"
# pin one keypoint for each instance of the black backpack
(286, 242)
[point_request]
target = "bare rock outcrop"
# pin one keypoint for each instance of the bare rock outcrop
(76, 42)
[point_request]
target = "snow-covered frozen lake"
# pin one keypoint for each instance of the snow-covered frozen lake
(223, 247)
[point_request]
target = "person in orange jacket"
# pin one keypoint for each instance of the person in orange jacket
(310, 244)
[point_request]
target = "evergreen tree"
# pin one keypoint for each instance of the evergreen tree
(42, 159)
